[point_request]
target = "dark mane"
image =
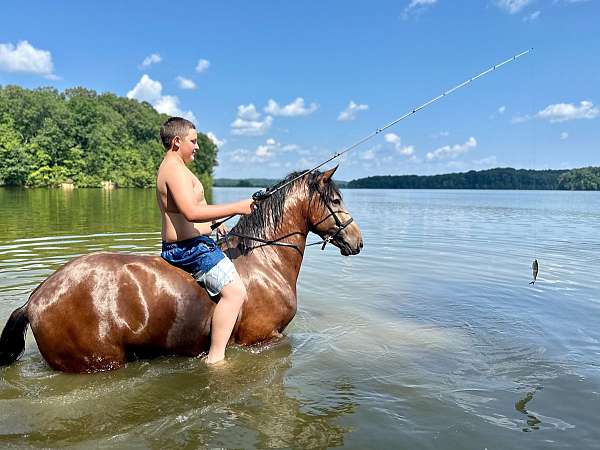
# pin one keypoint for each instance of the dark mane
(267, 217)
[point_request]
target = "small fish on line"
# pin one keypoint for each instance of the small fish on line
(534, 268)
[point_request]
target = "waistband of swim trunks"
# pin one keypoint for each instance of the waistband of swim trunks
(187, 242)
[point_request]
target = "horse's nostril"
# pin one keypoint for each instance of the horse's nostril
(361, 243)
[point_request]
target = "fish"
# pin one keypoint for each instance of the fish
(534, 268)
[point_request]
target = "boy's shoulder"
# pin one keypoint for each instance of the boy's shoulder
(170, 167)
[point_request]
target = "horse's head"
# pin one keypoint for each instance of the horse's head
(328, 216)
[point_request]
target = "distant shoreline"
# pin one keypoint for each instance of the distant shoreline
(501, 178)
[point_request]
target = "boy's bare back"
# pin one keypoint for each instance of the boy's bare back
(175, 227)
(180, 195)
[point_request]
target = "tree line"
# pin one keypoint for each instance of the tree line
(587, 178)
(78, 136)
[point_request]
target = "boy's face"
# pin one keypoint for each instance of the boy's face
(188, 146)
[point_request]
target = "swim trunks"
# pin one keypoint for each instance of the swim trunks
(201, 257)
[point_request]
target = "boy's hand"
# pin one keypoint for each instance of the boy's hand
(222, 231)
(247, 206)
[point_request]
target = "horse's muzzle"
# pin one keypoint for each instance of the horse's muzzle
(349, 244)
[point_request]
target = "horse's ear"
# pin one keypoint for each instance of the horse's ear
(326, 177)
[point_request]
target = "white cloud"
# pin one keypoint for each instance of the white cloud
(202, 66)
(531, 17)
(561, 112)
(239, 156)
(351, 111)
(248, 112)
(169, 104)
(267, 150)
(453, 151)
(520, 119)
(368, 155)
(248, 122)
(564, 135)
(263, 151)
(150, 91)
(416, 7)
(502, 109)
(26, 58)
(242, 127)
(512, 6)
(146, 89)
(271, 148)
(295, 108)
(154, 58)
(218, 142)
(186, 83)
(290, 147)
(394, 139)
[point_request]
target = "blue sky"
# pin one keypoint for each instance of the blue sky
(283, 85)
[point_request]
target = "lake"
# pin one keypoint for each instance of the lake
(430, 338)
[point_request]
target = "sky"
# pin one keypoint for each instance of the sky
(281, 86)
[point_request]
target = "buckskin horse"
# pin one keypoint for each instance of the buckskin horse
(101, 310)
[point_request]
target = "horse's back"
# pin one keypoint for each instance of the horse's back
(98, 309)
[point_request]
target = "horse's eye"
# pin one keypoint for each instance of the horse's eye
(336, 201)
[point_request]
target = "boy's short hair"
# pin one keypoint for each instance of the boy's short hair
(174, 126)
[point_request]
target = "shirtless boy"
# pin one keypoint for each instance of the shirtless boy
(186, 221)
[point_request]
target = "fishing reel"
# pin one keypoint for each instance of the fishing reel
(261, 195)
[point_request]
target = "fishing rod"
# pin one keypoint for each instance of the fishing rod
(266, 193)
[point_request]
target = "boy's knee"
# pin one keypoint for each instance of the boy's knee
(241, 291)
(236, 291)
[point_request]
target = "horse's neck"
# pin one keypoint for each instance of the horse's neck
(293, 229)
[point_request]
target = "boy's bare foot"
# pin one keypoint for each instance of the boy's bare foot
(214, 362)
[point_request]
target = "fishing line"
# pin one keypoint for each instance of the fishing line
(533, 135)
(263, 194)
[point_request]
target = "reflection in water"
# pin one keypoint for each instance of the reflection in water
(171, 401)
(532, 420)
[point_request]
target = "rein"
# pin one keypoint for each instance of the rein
(341, 226)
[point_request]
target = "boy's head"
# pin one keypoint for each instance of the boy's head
(174, 127)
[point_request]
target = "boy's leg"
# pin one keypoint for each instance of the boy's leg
(224, 317)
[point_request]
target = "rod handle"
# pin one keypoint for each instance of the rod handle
(216, 225)
(261, 195)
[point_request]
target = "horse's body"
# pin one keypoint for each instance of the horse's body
(103, 309)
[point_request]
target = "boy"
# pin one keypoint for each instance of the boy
(186, 220)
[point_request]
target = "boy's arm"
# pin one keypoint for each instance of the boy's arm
(180, 188)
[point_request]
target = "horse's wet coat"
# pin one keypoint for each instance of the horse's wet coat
(100, 310)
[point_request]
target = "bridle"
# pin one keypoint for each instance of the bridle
(340, 226)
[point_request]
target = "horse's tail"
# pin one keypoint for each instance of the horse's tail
(12, 341)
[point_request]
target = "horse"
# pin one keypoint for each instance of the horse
(101, 310)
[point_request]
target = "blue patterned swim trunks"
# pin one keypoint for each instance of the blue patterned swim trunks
(201, 257)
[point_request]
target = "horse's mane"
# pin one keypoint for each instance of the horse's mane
(267, 216)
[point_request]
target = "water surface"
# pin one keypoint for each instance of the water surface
(430, 338)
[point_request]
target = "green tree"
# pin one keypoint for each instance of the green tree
(48, 137)
(584, 179)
